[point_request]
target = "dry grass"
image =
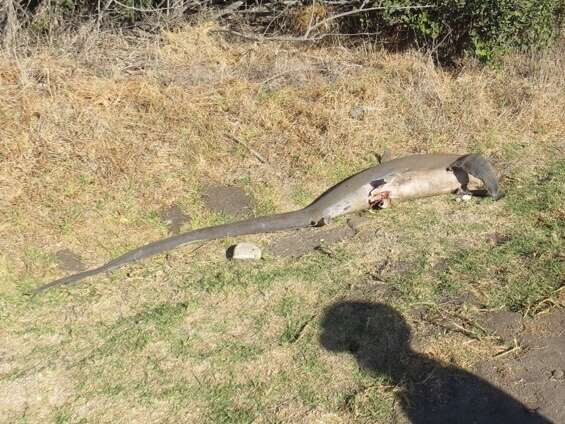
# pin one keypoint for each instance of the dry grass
(98, 133)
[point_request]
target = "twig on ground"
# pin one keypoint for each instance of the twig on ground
(232, 8)
(139, 9)
(257, 155)
(253, 37)
(306, 37)
(101, 12)
(515, 348)
(274, 77)
(249, 149)
(259, 38)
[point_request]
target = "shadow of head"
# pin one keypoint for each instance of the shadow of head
(374, 333)
(432, 392)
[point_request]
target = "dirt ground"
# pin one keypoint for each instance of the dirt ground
(534, 372)
(524, 388)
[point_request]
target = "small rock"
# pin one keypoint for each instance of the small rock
(558, 374)
(357, 113)
(463, 198)
(244, 251)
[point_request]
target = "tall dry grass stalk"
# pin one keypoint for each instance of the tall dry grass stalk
(9, 22)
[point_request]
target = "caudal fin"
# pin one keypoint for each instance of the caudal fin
(480, 168)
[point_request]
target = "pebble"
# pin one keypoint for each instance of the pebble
(464, 198)
(244, 251)
(357, 113)
(558, 374)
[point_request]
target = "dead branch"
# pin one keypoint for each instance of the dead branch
(260, 38)
(139, 9)
(361, 10)
(9, 22)
(249, 149)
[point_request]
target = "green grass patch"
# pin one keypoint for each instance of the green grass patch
(528, 267)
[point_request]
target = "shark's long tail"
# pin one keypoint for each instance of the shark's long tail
(264, 224)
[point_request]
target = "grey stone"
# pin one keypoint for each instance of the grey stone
(357, 113)
(244, 251)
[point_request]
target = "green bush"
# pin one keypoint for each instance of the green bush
(480, 27)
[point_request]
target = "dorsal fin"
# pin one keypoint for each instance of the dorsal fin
(385, 156)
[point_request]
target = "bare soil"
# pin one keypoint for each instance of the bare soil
(303, 241)
(535, 373)
(174, 218)
(233, 201)
(523, 387)
(69, 261)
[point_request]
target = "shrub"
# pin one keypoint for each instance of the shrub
(480, 27)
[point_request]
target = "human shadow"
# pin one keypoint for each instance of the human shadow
(430, 391)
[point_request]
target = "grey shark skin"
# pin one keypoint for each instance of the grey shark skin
(380, 186)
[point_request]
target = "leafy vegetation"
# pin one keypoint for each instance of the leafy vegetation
(481, 28)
